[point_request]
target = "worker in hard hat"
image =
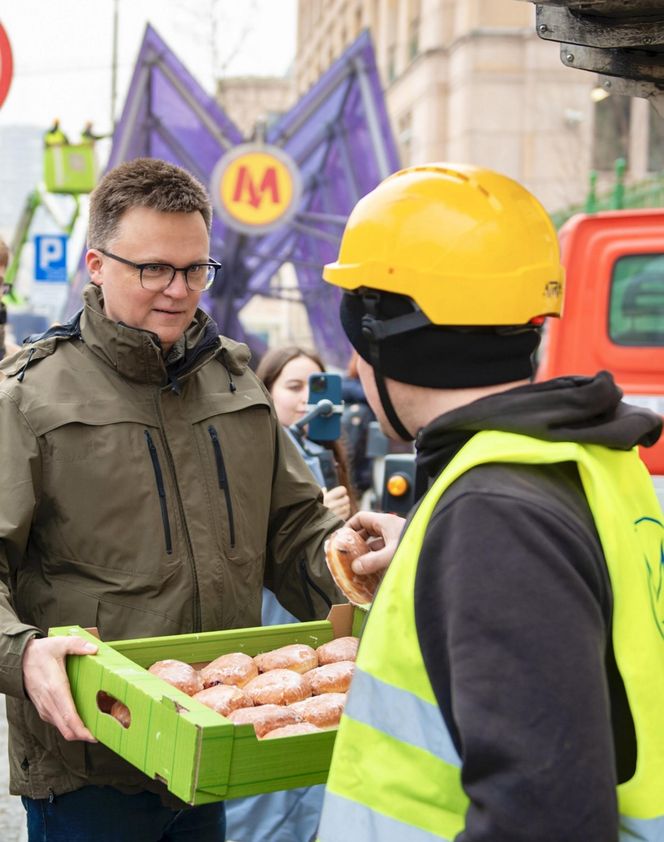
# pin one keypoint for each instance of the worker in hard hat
(89, 135)
(510, 676)
(54, 136)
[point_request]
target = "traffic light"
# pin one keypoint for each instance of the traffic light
(399, 483)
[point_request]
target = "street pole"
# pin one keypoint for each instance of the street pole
(114, 66)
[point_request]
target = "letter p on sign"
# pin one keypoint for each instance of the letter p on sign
(51, 258)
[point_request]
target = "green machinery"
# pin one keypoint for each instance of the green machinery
(69, 169)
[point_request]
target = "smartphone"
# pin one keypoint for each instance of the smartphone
(325, 386)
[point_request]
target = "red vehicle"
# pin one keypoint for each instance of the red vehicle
(614, 308)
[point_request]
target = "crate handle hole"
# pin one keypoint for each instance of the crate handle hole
(114, 707)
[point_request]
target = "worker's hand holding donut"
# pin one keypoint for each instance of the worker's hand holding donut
(357, 565)
(381, 532)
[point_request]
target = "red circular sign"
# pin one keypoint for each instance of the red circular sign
(6, 65)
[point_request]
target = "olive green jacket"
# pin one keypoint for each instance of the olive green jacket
(142, 500)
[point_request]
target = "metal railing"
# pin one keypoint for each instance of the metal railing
(643, 194)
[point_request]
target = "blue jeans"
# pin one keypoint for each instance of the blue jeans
(104, 814)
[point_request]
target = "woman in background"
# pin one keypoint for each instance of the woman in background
(285, 373)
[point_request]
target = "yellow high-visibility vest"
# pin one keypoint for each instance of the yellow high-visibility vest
(395, 773)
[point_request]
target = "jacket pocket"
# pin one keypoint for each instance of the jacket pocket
(222, 479)
(161, 491)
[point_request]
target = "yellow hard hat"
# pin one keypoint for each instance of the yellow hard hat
(468, 245)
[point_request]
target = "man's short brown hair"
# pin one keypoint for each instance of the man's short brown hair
(143, 183)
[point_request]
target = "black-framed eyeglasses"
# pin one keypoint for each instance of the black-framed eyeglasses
(157, 277)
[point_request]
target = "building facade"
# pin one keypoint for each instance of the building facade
(470, 80)
(249, 99)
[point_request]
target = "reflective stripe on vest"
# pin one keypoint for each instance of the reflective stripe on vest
(641, 830)
(399, 774)
(400, 715)
(356, 821)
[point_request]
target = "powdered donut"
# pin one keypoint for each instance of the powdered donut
(277, 687)
(234, 668)
(265, 718)
(341, 548)
(296, 656)
(331, 678)
(339, 649)
(323, 711)
(292, 730)
(180, 675)
(223, 698)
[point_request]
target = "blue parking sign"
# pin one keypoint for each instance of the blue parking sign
(51, 257)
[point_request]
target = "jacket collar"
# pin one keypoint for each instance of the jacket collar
(137, 354)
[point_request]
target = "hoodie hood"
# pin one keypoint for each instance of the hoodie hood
(587, 410)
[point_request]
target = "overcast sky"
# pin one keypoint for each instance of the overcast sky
(62, 50)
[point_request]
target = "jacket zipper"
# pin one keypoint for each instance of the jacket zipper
(223, 481)
(161, 491)
(197, 622)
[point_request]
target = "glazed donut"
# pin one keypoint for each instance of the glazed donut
(234, 668)
(339, 649)
(277, 687)
(296, 656)
(121, 712)
(292, 730)
(341, 548)
(265, 718)
(323, 711)
(223, 698)
(180, 675)
(331, 678)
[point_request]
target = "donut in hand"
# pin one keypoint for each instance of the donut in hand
(341, 549)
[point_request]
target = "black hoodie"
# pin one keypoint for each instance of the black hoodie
(513, 611)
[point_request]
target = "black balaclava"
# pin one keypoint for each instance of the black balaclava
(399, 342)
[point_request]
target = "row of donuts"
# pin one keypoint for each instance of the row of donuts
(291, 690)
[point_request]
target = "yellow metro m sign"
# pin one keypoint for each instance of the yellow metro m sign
(256, 188)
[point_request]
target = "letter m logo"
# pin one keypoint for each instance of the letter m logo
(252, 192)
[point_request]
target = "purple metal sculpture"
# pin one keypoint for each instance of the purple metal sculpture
(339, 136)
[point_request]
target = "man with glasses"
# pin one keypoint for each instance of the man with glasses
(152, 492)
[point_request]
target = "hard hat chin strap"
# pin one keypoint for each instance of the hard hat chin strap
(374, 330)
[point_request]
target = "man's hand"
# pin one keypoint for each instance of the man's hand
(382, 532)
(47, 685)
(338, 501)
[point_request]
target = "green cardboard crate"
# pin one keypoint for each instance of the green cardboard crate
(198, 754)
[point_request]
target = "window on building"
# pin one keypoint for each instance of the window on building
(390, 10)
(413, 38)
(391, 63)
(359, 23)
(612, 124)
(655, 141)
(405, 138)
(636, 310)
(414, 29)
